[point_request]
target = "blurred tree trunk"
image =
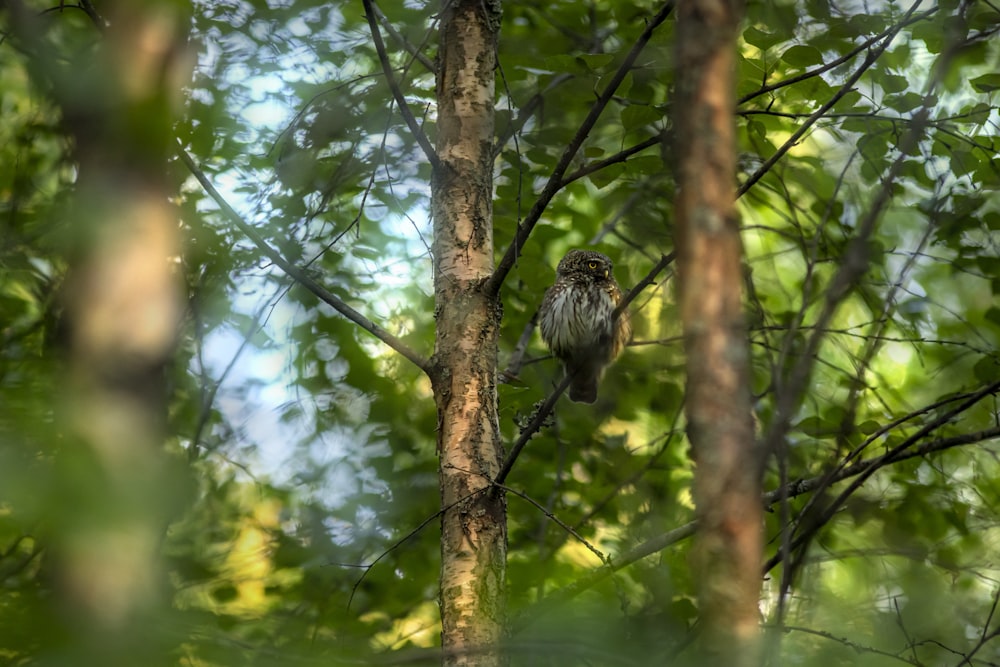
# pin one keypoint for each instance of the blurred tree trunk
(122, 307)
(474, 523)
(727, 485)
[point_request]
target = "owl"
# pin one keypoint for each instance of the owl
(575, 319)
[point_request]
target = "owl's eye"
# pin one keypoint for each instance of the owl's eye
(592, 265)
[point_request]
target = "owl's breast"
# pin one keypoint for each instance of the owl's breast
(577, 320)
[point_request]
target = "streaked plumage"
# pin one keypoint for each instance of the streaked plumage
(575, 320)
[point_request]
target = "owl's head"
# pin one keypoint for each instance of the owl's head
(585, 263)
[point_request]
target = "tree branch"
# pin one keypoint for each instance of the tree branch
(546, 408)
(412, 49)
(826, 67)
(794, 489)
(298, 274)
(397, 94)
(618, 157)
(555, 181)
(848, 86)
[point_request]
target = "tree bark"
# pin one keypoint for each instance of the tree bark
(474, 523)
(727, 486)
(123, 307)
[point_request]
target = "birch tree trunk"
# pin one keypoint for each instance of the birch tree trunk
(727, 486)
(474, 523)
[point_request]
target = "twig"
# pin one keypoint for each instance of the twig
(546, 408)
(417, 54)
(826, 67)
(555, 181)
(621, 156)
(794, 489)
(569, 529)
(528, 431)
(404, 107)
(298, 274)
(848, 86)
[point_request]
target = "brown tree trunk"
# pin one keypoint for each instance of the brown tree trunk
(123, 306)
(727, 485)
(474, 522)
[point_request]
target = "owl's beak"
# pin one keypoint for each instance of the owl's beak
(605, 274)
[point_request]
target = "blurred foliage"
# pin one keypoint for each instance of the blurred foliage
(306, 532)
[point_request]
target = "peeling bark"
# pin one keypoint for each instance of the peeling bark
(474, 527)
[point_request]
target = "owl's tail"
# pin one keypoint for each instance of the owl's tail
(583, 387)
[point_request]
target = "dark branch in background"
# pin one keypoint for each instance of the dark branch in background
(620, 214)
(820, 518)
(526, 111)
(213, 385)
(826, 67)
(397, 94)
(854, 266)
(621, 156)
(86, 7)
(630, 296)
(848, 86)
(794, 489)
(555, 181)
(517, 358)
(301, 276)
(546, 408)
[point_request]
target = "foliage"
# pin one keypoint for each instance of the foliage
(307, 528)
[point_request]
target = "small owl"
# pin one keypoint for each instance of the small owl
(575, 319)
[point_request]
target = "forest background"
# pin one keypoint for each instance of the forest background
(234, 456)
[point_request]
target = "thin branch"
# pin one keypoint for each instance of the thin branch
(301, 276)
(517, 357)
(794, 489)
(826, 67)
(404, 107)
(855, 264)
(630, 296)
(526, 111)
(569, 529)
(546, 408)
(541, 414)
(868, 468)
(621, 156)
(859, 648)
(412, 49)
(555, 181)
(597, 575)
(848, 86)
(398, 543)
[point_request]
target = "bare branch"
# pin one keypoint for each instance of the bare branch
(848, 86)
(621, 156)
(397, 94)
(794, 489)
(298, 274)
(826, 67)
(413, 50)
(555, 181)
(546, 407)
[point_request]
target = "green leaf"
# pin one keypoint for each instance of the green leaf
(802, 56)
(986, 370)
(986, 83)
